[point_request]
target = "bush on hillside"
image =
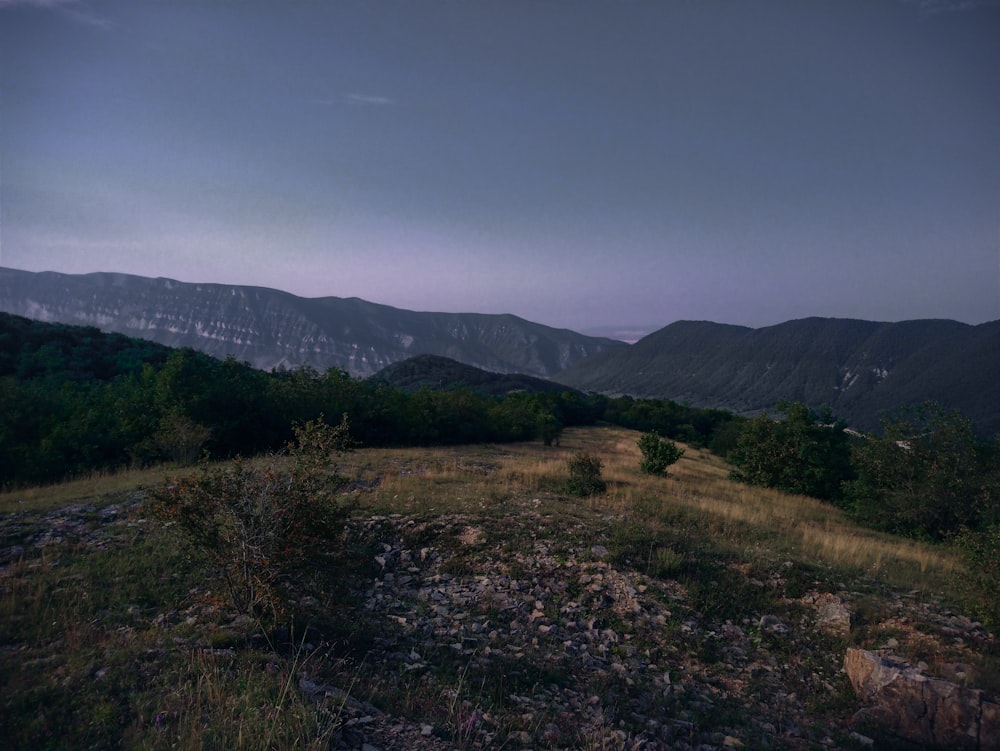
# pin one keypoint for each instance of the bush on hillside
(926, 476)
(585, 475)
(657, 453)
(982, 551)
(266, 532)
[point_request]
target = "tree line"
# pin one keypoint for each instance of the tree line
(926, 475)
(74, 400)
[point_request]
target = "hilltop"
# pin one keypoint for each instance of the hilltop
(435, 372)
(479, 606)
(271, 329)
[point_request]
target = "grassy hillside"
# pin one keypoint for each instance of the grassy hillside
(478, 606)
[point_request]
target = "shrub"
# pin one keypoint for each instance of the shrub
(982, 551)
(549, 428)
(180, 439)
(585, 475)
(803, 453)
(657, 453)
(266, 532)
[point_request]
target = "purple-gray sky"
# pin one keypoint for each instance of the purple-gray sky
(580, 163)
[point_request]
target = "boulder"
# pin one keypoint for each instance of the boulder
(927, 710)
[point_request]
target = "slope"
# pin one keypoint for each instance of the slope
(442, 373)
(858, 368)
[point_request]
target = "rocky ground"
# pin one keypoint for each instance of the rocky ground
(600, 656)
(521, 628)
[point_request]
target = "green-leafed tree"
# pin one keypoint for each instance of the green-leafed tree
(549, 428)
(801, 453)
(927, 475)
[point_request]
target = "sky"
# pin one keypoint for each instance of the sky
(579, 163)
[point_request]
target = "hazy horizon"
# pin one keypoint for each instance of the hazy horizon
(585, 165)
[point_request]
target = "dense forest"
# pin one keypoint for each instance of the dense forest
(74, 400)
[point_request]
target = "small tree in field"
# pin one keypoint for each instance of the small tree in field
(264, 531)
(657, 453)
(585, 475)
(549, 428)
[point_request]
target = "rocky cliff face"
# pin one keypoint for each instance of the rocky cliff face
(269, 328)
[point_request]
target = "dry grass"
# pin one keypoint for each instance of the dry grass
(789, 526)
(454, 479)
(98, 489)
(745, 519)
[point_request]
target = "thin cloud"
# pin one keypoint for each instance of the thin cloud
(367, 99)
(36, 3)
(75, 9)
(362, 100)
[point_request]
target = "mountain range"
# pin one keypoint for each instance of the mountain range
(272, 329)
(858, 368)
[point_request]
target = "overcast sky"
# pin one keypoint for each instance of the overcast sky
(577, 163)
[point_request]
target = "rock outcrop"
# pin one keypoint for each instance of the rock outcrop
(920, 708)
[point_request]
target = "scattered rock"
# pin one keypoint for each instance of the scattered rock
(862, 740)
(832, 613)
(773, 625)
(594, 654)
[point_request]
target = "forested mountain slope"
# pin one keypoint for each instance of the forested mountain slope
(858, 368)
(435, 372)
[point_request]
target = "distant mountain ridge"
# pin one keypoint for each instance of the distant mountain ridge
(858, 368)
(269, 328)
